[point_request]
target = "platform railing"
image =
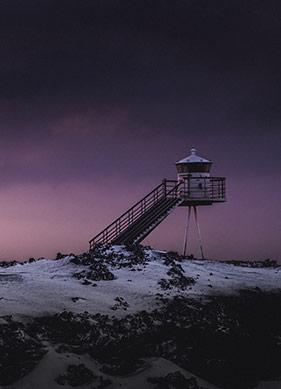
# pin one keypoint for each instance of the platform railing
(205, 188)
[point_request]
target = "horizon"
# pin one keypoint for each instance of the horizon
(99, 100)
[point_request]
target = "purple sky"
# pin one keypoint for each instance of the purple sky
(98, 99)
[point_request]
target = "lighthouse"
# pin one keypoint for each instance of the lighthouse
(197, 187)
(194, 187)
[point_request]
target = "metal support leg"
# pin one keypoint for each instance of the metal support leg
(198, 230)
(186, 231)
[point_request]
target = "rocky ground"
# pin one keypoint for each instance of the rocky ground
(230, 339)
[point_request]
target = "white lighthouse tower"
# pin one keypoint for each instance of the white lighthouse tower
(198, 188)
(193, 187)
(193, 165)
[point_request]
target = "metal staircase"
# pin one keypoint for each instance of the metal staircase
(135, 224)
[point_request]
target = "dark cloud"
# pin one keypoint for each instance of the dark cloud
(108, 89)
(118, 49)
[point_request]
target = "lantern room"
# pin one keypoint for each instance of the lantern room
(193, 166)
(197, 186)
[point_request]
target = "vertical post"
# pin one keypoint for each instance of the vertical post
(164, 183)
(205, 188)
(198, 230)
(186, 231)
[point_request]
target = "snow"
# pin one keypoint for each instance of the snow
(48, 286)
(53, 364)
(193, 158)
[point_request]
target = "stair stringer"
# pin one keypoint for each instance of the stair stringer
(145, 233)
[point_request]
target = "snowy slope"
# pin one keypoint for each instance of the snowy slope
(128, 293)
(44, 374)
(48, 286)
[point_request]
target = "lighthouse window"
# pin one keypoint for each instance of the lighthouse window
(199, 167)
(183, 168)
(194, 167)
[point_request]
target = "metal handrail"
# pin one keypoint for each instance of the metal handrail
(132, 214)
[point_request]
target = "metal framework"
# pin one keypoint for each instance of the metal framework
(198, 231)
(136, 223)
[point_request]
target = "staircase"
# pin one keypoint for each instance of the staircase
(135, 224)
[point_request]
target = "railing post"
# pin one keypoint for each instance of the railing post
(205, 188)
(164, 183)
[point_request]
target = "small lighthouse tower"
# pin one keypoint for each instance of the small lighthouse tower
(193, 187)
(198, 188)
(193, 166)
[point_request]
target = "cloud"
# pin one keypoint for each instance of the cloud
(90, 123)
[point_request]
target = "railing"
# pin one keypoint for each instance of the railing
(167, 189)
(217, 188)
(205, 188)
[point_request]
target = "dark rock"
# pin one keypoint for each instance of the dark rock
(121, 303)
(255, 264)
(98, 271)
(174, 380)
(123, 367)
(86, 282)
(181, 282)
(76, 376)
(19, 353)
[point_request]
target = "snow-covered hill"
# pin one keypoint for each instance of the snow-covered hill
(49, 286)
(134, 317)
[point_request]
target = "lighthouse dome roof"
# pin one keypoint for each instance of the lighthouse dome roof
(193, 157)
